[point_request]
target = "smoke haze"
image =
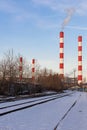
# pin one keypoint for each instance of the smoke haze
(70, 12)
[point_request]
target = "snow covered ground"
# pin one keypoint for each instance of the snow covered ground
(46, 116)
(77, 117)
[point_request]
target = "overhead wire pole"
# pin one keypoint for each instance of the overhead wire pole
(20, 68)
(20, 71)
(74, 77)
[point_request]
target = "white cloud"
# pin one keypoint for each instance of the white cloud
(77, 28)
(20, 13)
(43, 2)
(17, 13)
(7, 6)
(82, 8)
(56, 5)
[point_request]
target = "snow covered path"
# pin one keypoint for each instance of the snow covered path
(77, 117)
(46, 116)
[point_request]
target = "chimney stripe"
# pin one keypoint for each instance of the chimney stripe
(79, 59)
(61, 54)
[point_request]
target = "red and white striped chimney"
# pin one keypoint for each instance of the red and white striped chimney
(20, 68)
(33, 69)
(61, 55)
(79, 59)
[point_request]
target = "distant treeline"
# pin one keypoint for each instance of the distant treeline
(45, 79)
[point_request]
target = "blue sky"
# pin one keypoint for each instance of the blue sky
(31, 28)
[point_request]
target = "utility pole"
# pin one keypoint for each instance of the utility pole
(74, 76)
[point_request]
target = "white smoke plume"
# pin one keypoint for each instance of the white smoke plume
(70, 12)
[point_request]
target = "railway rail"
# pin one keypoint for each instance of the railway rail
(7, 109)
(63, 117)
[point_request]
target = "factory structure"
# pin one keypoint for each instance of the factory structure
(61, 55)
(31, 83)
(78, 79)
(79, 59)
(21, 78)
(61, 58)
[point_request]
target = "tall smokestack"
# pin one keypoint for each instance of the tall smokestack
(20, 68)
(79, 59)
(61, 55)
(33, 70)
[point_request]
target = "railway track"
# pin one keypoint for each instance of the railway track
(25, 102)
(66, 114)
(24, 105)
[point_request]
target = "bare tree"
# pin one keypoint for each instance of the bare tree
(26, 69)
(37, 69)
(50, 81)
(3, 67)
(9, 66)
